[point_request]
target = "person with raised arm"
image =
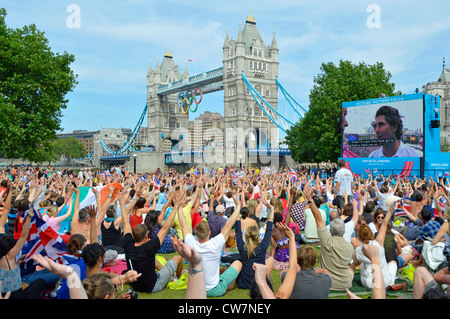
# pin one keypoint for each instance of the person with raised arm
(211, 250)
(336, 254)
(288, 282)
(366, 236)
(76, 289)
(6, 208)
(140, 252)
(378, 290)
(253, 250)
(9, 269)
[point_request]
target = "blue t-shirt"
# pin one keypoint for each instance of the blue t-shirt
(162, 199)
(80, 267)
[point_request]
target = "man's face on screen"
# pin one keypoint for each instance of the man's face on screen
(382, 128)
(344, 120)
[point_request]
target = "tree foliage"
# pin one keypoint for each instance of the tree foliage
(34, 82)
(70, 147)
(317, 137)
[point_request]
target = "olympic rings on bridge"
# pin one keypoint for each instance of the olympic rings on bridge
(185, 101)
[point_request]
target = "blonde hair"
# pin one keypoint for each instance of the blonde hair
(279, 208)
(298, 195)
(52, 211)
(99, 285)
(273, 200)
(251, 239)
(251, 205)
(43, 203)
(202, 230)
(447, 216)
(447, 212)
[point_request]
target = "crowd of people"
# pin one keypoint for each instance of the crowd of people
(51, 241)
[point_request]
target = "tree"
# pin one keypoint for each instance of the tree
(316, 137)
(70, 147)
(34, 82)
(445, 146)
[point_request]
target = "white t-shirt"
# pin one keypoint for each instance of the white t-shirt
(344, 176)
(229, 202)
(389, 270)
(211, 252)
(402, 151)
(383, 198)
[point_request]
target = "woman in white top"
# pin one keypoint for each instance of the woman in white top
(378, 218)
(443, 275)
(366, 236)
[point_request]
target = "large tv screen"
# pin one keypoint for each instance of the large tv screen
(385, 127)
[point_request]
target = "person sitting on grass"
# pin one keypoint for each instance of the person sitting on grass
(252, 251)
(140, 252)
(378, 290)
(366, 236)
(10, 274)
(211, 250)
(310, 283)
(279, 241)
(261, 287)
(336, 254)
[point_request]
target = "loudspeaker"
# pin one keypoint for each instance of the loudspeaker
(435, 123)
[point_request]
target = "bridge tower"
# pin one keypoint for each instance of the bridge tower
(259, 62)
(164, 115)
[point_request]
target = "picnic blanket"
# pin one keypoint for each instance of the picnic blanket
(359, 290)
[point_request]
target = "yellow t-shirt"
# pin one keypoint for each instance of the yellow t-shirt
(187, 215)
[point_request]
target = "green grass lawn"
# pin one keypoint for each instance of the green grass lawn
(235, 293)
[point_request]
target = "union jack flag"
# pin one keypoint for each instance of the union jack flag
(400, 213)
(156, 182)
(43, 239)
(294, 177)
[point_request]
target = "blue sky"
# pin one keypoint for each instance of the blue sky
(116, 41)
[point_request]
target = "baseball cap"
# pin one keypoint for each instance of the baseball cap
(220, 209)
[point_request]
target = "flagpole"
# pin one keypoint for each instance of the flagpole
(195, 65)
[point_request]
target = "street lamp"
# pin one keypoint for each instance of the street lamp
(134, 158)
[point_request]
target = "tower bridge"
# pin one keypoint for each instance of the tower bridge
(249, 80)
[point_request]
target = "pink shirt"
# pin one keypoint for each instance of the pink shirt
(52, 222)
